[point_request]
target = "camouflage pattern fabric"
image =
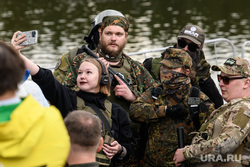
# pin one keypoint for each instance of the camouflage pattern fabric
(64, 65)
(140, 81)
(115, 20)
(174, 58)
(61, 68)
(200, 75)
(162, 136)
(200, 67)
(235, 129)
(234, 66)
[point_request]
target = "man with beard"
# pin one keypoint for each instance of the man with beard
(113, 38)
(191, 39)
(65, 62)
(165, 107)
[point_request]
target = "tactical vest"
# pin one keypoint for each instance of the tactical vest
(217, 126)
(101, 157)
(64, 64)
(125, 70)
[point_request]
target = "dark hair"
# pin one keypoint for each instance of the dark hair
(12, 68)
(84, 128)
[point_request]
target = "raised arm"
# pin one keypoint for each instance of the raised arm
(57, 94)
(15, 41)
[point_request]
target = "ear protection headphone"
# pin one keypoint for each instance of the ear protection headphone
(104, 80)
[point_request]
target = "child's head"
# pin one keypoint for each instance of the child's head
(11, 70)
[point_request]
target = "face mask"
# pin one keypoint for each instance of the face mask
(170, 76)
(172, 80)
(195, 56)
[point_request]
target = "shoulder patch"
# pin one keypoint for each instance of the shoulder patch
(58, 64)
(241, 119)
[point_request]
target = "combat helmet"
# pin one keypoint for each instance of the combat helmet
(93, 38)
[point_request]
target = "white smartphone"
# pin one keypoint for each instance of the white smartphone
(31, 37)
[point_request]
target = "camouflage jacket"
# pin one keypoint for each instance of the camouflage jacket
(162, 141)
(227, 130)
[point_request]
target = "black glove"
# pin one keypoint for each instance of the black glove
(177, 111)
(203, 70)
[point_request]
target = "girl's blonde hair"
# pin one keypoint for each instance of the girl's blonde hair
(105, 89)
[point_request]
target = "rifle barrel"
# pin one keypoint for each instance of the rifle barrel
(111, 70)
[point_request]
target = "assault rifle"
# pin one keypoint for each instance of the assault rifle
(180, 134)
(112, 72)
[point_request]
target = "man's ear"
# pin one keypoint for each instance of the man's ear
(100, 145)
(247, 83)
(187, 72)
(126, 34)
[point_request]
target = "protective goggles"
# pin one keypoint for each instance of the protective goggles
(226, 79)
(191, 46)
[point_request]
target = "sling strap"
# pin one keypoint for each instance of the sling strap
(102, 117)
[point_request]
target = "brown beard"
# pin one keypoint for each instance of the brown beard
(111, 53)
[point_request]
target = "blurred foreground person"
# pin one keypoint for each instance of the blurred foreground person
(30, 135)
(84, 129)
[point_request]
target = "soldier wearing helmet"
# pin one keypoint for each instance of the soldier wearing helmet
(93, 37)
(65, 62)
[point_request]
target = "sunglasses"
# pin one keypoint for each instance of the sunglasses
(226, 79)
(191, 46)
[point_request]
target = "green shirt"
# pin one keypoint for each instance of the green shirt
(5, 112)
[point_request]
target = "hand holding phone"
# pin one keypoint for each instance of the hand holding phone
(31, 37)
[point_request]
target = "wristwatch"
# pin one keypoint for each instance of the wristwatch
(122, 152)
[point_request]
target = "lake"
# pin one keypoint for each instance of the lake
(62, 24)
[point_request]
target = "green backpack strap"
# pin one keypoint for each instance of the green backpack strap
(155, 69)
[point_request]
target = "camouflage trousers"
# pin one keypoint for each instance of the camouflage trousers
(133, 162)
(137, 154)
